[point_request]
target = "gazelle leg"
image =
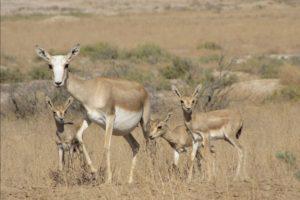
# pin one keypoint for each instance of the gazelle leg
(79, 136)
(135, 149)
(207, 156)
(193, 154)
(108, 133)
(60, 158)
(176, 158)
(234, 142)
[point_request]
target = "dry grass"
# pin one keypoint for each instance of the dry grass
(29, 162)
(290, 75)
(238, 32)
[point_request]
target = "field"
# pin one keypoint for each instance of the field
(157, 44)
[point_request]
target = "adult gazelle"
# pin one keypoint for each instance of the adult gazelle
(116, 105)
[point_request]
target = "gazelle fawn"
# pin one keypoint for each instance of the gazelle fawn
(223, 124)
(178, 138)
(66, 140)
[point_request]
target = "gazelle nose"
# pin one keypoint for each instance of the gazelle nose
(58, 83)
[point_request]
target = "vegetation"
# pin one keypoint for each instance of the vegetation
(180, 68)
(287, 157)
(209, 46)
(100, 51)
(209, 59)
(10, 76)
(263, 66)
(150, 53)
(39, 73)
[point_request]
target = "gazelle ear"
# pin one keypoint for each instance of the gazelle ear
(197, 91)
(176, 91)
(69, 102)
(168, 117)
(42, 53)
(73, 52)
(49, 103)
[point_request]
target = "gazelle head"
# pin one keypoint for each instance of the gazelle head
(58, 64)
(188, 102)
(59, 111)
(159, 127)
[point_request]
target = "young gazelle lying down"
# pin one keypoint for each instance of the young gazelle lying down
(66, 140)
(178, 138)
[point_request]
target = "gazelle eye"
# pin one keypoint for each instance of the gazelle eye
(159, 127)
(50, 66)
(193, 101)
(66, 65)
(181, 101)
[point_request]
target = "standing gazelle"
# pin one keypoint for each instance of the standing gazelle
(220, 124)
(66, 140)
(116, 105)
(178, 138)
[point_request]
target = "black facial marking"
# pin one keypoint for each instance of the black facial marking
(50, 66)
(66, 65)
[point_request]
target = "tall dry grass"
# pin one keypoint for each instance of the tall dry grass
(29, 160)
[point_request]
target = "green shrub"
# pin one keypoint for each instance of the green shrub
(210, 46)
(297, 175)
(295, 60)
(264, 66)
(149, 52)
(291, 92)
(286, 157)
(11, 76)
(40, 73)
(100, 51)
(209, 59)
(128, 72)
(180, 68)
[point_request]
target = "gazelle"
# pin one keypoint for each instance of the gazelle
(220, 124)
(178, 138)
(66, 140)
(116, 105)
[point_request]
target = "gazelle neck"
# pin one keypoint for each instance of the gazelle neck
(75, 87)
(168, 136)
(187, 116)
(59, 126)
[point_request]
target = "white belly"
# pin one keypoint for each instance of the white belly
(217, 134)
(125, 120)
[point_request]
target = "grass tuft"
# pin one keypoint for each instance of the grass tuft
(11, 76)
(287, 157)
(209, 46)
(100, 51)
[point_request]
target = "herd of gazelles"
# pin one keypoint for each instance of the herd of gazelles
(119, 106)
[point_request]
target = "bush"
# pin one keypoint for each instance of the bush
(264, 66)
(100, 51)
(289, 75)
(291, 92)
(180, 68)
(128, 72)
(286, 157)
(216, 88)
(210, 46)
(297, 175)
(150, 53)
(40, 73)
(11, 76)
(209, 59)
